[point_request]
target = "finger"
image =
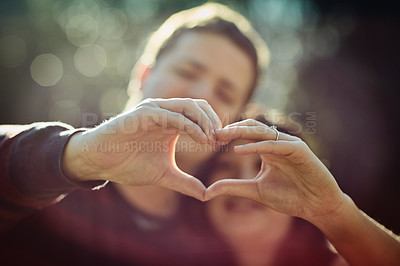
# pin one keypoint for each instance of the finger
(183, 183)
(178, 121)
(210, 112)
(246, 188)
(281, 147)
(246, 122)
(255, 132)
(190, 109)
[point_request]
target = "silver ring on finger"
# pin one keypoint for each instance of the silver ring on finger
(274, 128)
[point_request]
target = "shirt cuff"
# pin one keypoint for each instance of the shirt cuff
(35, 165)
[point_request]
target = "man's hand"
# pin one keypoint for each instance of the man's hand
(138, 147)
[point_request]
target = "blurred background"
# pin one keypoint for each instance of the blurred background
(334, 68)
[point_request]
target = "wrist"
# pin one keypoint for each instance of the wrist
(334, 222)
(74, 162)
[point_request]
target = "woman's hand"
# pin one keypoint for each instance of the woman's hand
(292, 180)
(138, 147)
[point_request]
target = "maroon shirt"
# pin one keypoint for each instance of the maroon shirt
(47, 219)
(86, 226)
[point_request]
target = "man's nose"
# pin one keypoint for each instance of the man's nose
(202, 90)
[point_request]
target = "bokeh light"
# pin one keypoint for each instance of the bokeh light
(82, 30)
(113, 23)
(90, 60)
(46, 69)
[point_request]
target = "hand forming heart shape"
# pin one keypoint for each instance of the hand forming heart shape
(138, 147)
(292, 180)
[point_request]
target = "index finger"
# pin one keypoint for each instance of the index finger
(257, 133)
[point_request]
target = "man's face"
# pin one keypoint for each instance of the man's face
(205, 66)
(202, 66)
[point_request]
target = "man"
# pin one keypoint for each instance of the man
(204, 66)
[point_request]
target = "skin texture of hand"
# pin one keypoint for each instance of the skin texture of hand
(292, 180)
(138, 147)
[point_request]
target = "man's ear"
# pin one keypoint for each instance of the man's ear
(142, 74)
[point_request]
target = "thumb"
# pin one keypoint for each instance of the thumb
(246, 188)
(183, 183)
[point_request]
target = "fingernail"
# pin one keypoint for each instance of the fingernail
(238, 147)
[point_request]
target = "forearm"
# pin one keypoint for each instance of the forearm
(25, 167)
(358, 238)
(31, 163)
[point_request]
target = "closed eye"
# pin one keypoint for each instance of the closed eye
(189, 75)
(224, 96)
